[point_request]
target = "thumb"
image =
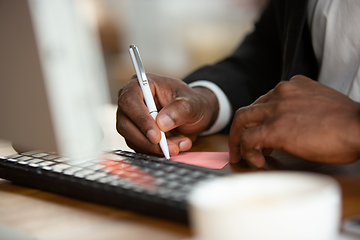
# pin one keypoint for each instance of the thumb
(175, 114)
(165, 121)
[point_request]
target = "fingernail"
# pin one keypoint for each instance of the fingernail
(256, 159)
(152, 136)
(173, 151)
(165, 123)
(185, 145)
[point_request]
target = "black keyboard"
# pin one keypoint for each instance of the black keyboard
(131, 181)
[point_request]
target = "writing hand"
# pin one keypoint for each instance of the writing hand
(183, 113)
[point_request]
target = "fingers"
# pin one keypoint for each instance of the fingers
(180, 143)
(135, 139)
(131, 107)
(253, 141)
(244, 118)
(252, 134)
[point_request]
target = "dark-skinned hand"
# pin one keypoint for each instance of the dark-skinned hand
(302, 117)
(183, 113)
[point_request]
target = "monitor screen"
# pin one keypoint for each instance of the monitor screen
(52, 78)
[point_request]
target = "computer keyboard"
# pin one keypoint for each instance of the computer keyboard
(131, 181)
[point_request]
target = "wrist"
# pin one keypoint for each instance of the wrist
(211, 103)
(222, 110)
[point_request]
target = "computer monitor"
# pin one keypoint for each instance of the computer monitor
(52, 77)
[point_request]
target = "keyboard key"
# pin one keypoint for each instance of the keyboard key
(60, 167)
(72, 170)
(95, 176)
(83, 173)
(50, 157)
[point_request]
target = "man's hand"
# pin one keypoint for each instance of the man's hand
(183, 113)
(302, 117)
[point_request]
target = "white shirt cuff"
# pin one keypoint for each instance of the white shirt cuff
(225, 109)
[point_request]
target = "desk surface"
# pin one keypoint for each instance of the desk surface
(49, 216)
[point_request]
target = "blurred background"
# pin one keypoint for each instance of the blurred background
(174, 36)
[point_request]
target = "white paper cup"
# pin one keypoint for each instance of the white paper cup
(266, 205)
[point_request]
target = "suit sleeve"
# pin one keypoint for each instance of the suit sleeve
(254, 67)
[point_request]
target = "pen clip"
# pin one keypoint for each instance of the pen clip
(139, 63)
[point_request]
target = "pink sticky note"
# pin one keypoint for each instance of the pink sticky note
(215, 160)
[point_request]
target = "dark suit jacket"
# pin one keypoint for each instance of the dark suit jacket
(278, 48)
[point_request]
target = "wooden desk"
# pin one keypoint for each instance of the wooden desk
(49, 216)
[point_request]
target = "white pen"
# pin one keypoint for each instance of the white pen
(149, 100)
